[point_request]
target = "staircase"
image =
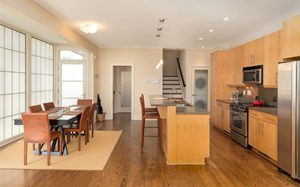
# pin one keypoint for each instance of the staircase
(172, 88)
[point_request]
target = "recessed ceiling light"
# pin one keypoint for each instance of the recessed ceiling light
(162, 20)
(226, 18)
(202, 47)
(157, 35)
(159, 28)
(211, 30)
(200, 39)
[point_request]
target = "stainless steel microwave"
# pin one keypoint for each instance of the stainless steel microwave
(253, 75)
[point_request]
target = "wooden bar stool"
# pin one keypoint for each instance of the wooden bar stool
(149, 115)
(148, 109)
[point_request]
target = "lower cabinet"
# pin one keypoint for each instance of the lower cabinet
(223, 122)
(263, 133)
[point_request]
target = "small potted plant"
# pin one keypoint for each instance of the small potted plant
(100, 113)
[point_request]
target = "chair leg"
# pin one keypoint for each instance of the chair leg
(25, 152)
(159, 121)
(39, 149)
(86, 136)
(142, 134)
(93, 130)
(48, 153)
(79, 142)
(60, 145)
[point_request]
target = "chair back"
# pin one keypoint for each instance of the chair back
(48, 106)
(142, 105)
(83, 123)
(84, 102)
(91, 114)
(36, 126)
(35, 108)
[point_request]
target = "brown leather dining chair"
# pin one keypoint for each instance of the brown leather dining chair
(35, 108)
(91, 120)
(84, 102)
(149, 115)
(48, 106)
(36, 130)
(81, 127)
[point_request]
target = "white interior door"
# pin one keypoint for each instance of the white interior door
(201, 88)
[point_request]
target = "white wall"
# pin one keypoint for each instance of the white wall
(143, 63)
(193, 58)
(170, 62)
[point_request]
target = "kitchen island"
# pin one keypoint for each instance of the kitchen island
(185, 131)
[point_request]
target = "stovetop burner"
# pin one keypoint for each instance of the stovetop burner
(241, 107)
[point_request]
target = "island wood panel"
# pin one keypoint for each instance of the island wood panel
(185, 136)
(192, 138)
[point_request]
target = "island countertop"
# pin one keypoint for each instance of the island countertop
(182, 107)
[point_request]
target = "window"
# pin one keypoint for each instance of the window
(12, 81)
(41, 71)
(70, 55)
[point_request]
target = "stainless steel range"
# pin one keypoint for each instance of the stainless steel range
(239, 122)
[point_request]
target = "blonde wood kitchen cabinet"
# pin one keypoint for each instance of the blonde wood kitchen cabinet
(271, 59)
(291, 38)
(263, 133)
(223, 116)
(254, 53)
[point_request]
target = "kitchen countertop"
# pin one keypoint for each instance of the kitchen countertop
(159, 100)
(268, 110)
(228, 101)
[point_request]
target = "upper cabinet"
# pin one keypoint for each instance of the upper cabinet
(253, 53)
(290, 38)
(271, 59)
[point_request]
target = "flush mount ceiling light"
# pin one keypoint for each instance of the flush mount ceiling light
(89, 28)
(200, 39)
(226, 18)
(162, 20)
(211, 30)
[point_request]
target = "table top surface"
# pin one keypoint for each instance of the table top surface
(60, 115)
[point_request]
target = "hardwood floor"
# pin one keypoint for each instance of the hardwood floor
(229, 165)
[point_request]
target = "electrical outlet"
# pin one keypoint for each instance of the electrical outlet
(249, 92)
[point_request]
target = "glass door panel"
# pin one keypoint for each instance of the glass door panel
(72, 83)
(201, 89)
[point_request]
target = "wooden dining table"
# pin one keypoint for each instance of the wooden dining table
(59, 117)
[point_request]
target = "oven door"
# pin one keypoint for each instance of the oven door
(238, 122)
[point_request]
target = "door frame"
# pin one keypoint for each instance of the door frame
(193, 69)
(87, 65)
(112, 89)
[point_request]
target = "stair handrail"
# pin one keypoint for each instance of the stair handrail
(180, 71)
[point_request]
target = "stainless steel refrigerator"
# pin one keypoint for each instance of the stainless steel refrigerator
(289, 118)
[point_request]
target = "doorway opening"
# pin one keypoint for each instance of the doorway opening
(122, 88)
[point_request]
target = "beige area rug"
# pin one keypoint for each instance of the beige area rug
(92, 156)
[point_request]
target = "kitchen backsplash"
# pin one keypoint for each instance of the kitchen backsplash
(268, 95)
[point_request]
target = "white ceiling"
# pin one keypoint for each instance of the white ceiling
(133, 23)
